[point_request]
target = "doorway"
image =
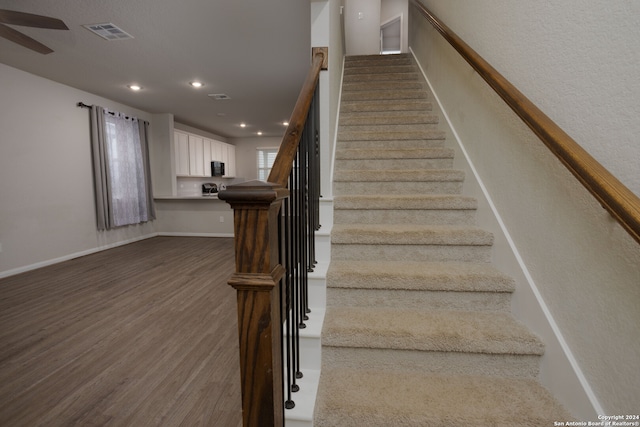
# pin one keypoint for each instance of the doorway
(391, 36)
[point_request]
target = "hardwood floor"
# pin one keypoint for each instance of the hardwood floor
(140, 335)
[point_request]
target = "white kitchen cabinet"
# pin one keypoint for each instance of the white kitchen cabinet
(206, 157)
(216, 150)
(181, 143)
(196, 155)
(230, 163)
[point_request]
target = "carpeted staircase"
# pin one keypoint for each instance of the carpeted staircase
(418, 330)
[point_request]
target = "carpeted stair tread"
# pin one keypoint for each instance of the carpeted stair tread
(418, 329)
(368, 135)
(356, 397)
(435, 330)
(439, 175)
(385, 118)
(387, 94)
(399, 144)
(386, 154)
(352, 78)
(410, 234)
(386, 128)
(403, 84)
(409, 201)
(379, 69)
(423, 276)
(386, 105)
(368, 61)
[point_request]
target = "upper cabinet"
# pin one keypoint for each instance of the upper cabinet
(230, 161)
(181, 142)
(194, 154)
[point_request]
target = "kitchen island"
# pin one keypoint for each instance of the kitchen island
(194, 215)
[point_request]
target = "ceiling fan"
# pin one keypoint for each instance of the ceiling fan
(27, 20)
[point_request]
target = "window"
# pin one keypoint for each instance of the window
(126, 170)
(121, 168)
(266, 157)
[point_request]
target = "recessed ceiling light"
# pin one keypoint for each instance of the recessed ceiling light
(134, 87)
(196, 84)
(243, 125)
(259, 132)
(285, 123)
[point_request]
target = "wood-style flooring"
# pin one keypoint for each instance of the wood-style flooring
(139, 335)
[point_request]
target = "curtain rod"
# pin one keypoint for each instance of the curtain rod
(83, 105)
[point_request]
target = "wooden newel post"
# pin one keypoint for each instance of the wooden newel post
(256, 206)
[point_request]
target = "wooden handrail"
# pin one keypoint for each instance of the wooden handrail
(256, 215)
(282, 165)
(614, 196)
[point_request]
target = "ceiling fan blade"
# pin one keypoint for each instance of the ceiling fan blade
(30, 20)
(26, 41)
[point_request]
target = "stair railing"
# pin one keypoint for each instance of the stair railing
(274, 226)
(614, 196)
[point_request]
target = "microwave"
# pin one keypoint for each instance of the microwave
(217, 169)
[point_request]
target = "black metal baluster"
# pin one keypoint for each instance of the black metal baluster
(304, 204)
(285, 257)
(301, 219)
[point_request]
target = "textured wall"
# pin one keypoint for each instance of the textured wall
(575, 59)
(580, 68)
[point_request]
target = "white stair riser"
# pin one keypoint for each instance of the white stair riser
(317, 293)
(326, 217)
(323, 248)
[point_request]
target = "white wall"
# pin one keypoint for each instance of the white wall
(362, 27)
(246, 154)
(577, 60)
(162, 156)
(579, 277)
(46, 182)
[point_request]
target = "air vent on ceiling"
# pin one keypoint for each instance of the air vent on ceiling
(219, 96)
(108, 31)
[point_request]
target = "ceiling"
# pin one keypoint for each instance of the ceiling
(256, 52)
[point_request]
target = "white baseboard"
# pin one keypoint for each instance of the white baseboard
(562, 375)
(101, 248)
(68, 257)
(180, 234)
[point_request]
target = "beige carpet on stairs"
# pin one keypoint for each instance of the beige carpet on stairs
(418, 329)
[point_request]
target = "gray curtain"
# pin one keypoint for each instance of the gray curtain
(144, 144)
(101, 178)
(101, 170)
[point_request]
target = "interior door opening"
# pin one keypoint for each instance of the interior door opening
(391, 36)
